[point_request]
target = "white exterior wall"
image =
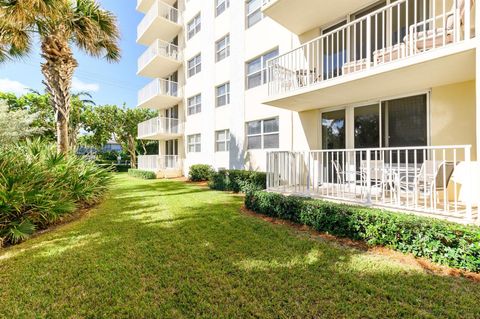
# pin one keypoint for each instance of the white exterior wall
(245, 105)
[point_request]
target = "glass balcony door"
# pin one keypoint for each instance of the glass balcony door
(171, 152)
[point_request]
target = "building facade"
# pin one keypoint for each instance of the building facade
(350, 100)
(208, 62)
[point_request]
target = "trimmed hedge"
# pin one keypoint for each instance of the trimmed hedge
(442, 242)
(200, 173)
(142, 174)
(236, 180)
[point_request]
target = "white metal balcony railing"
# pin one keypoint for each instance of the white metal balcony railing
(396, 31)
(157, 163)
(160, 126)
(159, 48)
(432, 180)
(158, 87)
(159, 9)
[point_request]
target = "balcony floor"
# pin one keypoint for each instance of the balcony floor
(160, 102)
(159, 67)
(300, 16)
(144, 5)
(160, 136)
(159, 28)
(443, 66)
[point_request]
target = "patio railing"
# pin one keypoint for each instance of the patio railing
(162, 48)
(160, 125)
(157, 163)
(156, 88)
(402, 29)
(158, 9)
(433, 180)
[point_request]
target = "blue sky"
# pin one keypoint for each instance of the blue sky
(108, 83)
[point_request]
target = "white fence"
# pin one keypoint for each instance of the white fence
(432, 180)
(158, 87)
(158, 9)
(162, 48)
(156, 163)
(160, 125)
(402, 29)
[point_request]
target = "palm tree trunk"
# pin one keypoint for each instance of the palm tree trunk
(58, 70)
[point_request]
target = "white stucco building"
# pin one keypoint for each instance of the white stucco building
(351, 100)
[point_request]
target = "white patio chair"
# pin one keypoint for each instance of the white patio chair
(434, 177)
(419, 41)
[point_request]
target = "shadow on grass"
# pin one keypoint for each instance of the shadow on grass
(188, 252)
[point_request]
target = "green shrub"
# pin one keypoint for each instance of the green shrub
(141, 174)
(38, 187)
(200, 173)
(238, 180)
(442, 242)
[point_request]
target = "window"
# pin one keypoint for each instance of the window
(194, 143)
(222, 141)
(194, 26)
(222, 48)
(254, 12)
(194, 65)
(223, 94)
(263, 134)
(220, 6)
(257, 69)
(194, 104)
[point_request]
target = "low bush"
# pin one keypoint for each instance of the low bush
(119, 168)
(442, 242)
(200, 173)
(39, 187)
(238, 180)
(142, 174)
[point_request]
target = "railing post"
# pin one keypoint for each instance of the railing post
(268, 170)
(369, 42)
(470, 198)
(308, 65)
(467, 20)
(369, 178)
(308, 172)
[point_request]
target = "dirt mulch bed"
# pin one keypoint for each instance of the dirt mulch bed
(407, 259)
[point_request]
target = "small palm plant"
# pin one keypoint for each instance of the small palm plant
(58, 24)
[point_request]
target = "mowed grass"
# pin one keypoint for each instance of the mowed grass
(166, 249)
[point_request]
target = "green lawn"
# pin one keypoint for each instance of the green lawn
(167, 249)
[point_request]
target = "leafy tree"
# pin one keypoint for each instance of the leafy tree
(121, 123)
(34, 103)
(16, 125)
(58, 24)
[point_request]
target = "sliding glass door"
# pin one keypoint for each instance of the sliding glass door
(398, 122)
(405, 121)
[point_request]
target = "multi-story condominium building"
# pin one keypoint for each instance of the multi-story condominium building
(372, 102)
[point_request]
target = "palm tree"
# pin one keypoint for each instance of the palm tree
(58, 24)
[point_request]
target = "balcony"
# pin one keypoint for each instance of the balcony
(160, 128)
(162, 21)
(168, 166)
(159, 94)
(145, 5)
(388, 52)
(300, 16)
(160, 59)
(438, 181)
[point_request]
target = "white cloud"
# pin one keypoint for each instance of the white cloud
(10, 86)
(78, 86)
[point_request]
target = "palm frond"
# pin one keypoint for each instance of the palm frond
(95, 30)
